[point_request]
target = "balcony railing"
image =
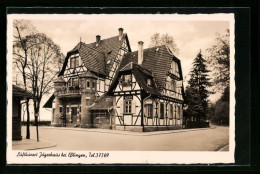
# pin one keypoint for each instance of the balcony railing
(69, 90)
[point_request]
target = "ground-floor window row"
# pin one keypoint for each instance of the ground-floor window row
(72, 113)
(163, 110)
(130, 120)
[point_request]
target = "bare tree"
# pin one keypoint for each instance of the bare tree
(43, 64)
(37, 59)
(21, 44)
(165, 39)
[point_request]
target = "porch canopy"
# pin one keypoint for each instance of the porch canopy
(103, 103)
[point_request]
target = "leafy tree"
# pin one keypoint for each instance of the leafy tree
(197, 92)
(165, 39)
(220, 113)
(219, 60)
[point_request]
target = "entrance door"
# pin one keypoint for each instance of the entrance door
(74, 114)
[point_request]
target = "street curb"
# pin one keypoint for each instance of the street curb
(129, 132)
(30, 145)
(42, 147)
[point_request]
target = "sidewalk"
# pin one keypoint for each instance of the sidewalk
(32, 144)
(127, 132)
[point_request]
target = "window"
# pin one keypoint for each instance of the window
(149, 82)
(171, 111)
(128, 106)
(75, 82)
(87, 102)
(93, 84)
(100, 113)
(88, 84)
(68, 109)
(60, 109)
(173, 86)
(149, 110)
(173, 67)
(126, 80)
(161, 110)
(178, 112)
(176, 68)
(74, 62)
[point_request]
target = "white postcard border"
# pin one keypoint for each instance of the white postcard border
(125, 157)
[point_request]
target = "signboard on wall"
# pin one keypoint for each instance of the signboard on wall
(130, 97)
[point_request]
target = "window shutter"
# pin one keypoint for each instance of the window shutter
(121, 107)
(154, 108)
(145, 109)
(133, 106)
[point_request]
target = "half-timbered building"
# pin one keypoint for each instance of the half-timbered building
(149, 91)
(87, 74)
(105, 85)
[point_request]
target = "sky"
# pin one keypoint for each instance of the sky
(190, 32)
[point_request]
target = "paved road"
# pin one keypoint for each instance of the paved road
(211, 139)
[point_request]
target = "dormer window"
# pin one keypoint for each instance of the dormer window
(173, 85)
(126, 80)
(74, 62)
(149, 82)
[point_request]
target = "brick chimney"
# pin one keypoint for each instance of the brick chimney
(98, 37)
(120, 33)
(140, 52)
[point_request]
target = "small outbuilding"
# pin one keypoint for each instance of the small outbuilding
(18, 95)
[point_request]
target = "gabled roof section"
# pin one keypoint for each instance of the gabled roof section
(156, 60)
(60, 80)
(95, 56)
(21, 93)
(88, 74)
(141, 75)
(48, 103)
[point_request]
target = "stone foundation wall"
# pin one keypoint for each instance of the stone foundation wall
(104, 122)
(148, 128)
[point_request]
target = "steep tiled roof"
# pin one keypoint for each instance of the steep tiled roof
(156, 59)
(141, 76)
(60, 80)
(95, 57)
(104, 103)
(19, 92)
